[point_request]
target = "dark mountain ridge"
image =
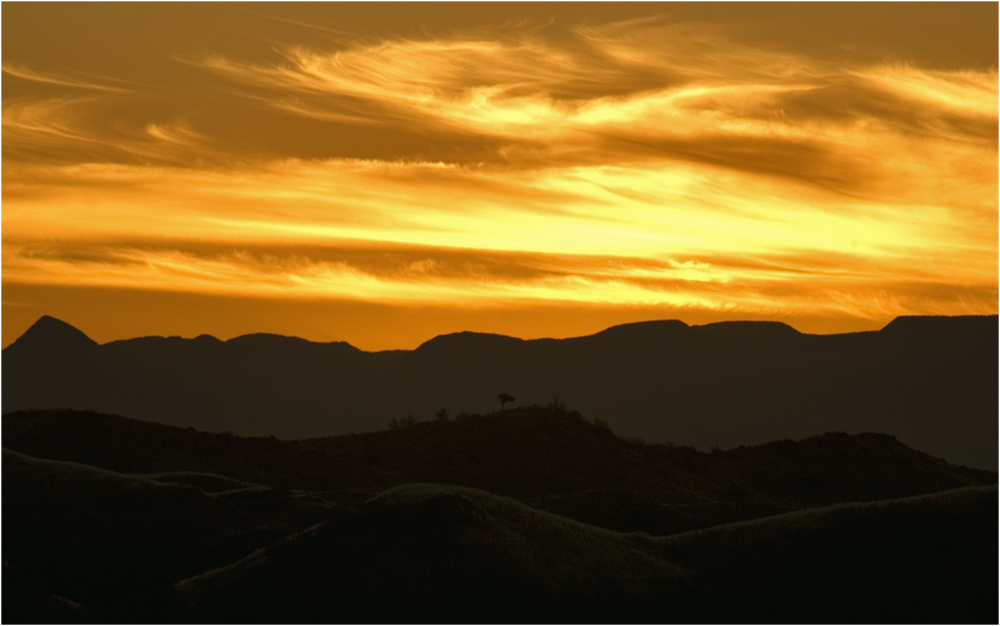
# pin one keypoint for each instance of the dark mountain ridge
(931, 382)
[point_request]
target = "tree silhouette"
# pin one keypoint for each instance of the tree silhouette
(403, 423)
(442, 415)
(504, 399)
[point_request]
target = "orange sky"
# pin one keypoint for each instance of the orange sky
(381, 173)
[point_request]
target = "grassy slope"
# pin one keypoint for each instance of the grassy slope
(27, 601)
(64, 522)
(924, 559)
(432, 553)
(547, 458)
(113, 542)
(428, 553)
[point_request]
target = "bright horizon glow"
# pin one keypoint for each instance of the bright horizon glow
(677, 168)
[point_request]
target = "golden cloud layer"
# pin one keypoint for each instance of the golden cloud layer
(633, 164)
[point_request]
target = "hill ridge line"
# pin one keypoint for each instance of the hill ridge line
(47, 319)
(829, 507)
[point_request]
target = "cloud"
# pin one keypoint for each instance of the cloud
(85, 82)
(633, 92)
(858, 284)
(427, 280)
(32, 128)
(642, 92)
(70, 129)
(636, 164)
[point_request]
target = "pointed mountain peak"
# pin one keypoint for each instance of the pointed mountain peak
(49, 334)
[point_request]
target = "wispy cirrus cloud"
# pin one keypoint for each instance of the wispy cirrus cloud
(63, 129)
(638, 163)
(656, 94)
(720, 237)
(436, 277)
(76, 80)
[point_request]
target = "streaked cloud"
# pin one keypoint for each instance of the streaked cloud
(847, 285)
(80, 81)
(638, 163)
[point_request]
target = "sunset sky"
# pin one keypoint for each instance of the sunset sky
(380, 173)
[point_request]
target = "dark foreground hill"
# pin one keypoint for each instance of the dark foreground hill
(546, 457)
(114, 543)
(924, 559)
(116, 513)
(931, 382)
(426, 553)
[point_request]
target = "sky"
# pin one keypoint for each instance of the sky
(381, 173)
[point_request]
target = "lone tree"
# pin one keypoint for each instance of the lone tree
(504, 399)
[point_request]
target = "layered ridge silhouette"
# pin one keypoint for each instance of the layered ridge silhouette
(547, 458)
(219, 542)
(930, 381)
(532, 514)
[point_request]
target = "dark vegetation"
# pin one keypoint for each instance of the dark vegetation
(930, 382)
(122, 510)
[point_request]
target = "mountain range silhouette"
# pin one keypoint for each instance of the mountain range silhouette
(929, 381)
(824, 497)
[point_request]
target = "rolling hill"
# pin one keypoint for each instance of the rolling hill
(532, 515)
(114, 543)
(546, 457)
(458, 555)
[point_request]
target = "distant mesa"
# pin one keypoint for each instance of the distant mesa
(468, 341)
(264, 340)
(748, 330)
(915, 326)
(677, 333)
(653, 330)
